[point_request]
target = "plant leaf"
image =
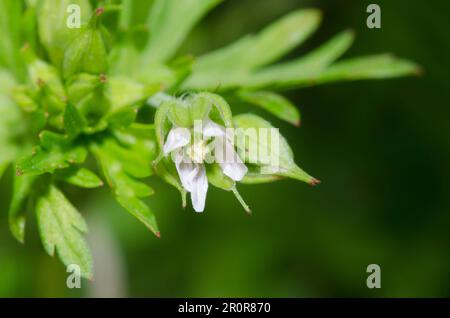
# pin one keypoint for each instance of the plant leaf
(274, 103)
(281, 37)
(228, 66)
(369, 67)
(17, 210)
(172, 19)
(127, 190)
(141, 211)
(11, 124)
(80, 177)
(60, 227)
(295, 72)
(260, 152)
(361, 68)
(134, 12)
(124, 92)
(10, 33)
(88, 52)
(55, 152)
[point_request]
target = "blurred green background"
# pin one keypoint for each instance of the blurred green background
(381, 149)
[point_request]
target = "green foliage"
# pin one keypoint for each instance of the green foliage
(273, 103)
(121, 167)
(80, 177)
(60, 227)
(228, 66)
(10, 124)
(55, 152)
(55, 36)
(23, 185)
(72, 94)
(88, 52)
(10, 33)
(172, 19)
(286, 166)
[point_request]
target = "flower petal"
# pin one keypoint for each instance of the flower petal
(199, 189)
(232, 166)
(187, 173)
(235, 171)
(211, 129)
(177, 138)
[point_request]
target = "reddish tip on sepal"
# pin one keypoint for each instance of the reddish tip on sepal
(314, 182)
(103, 78)
(25, 47)
(99, 11)
(40, 82)
(158, 234)
(419, 72)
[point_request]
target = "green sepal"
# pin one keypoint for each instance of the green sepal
(220, 111)
(252, 147)
(218, 179)
(180, 113)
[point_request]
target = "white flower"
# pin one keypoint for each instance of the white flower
(190, 158)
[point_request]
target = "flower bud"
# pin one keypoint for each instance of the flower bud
(88, 52)
(52, 24)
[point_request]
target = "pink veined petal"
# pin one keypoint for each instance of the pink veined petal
(199, 190)
(177, 138)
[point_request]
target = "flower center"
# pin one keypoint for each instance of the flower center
(197, 152)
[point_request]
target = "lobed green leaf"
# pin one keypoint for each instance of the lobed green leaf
(274, 103)
(80, 177)
(120, 172)
(55, 152)
(60, 227)
(228, 66)
(172, 19)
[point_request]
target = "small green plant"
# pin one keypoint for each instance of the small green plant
(117, 93)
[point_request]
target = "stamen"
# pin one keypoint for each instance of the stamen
(198, 151)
